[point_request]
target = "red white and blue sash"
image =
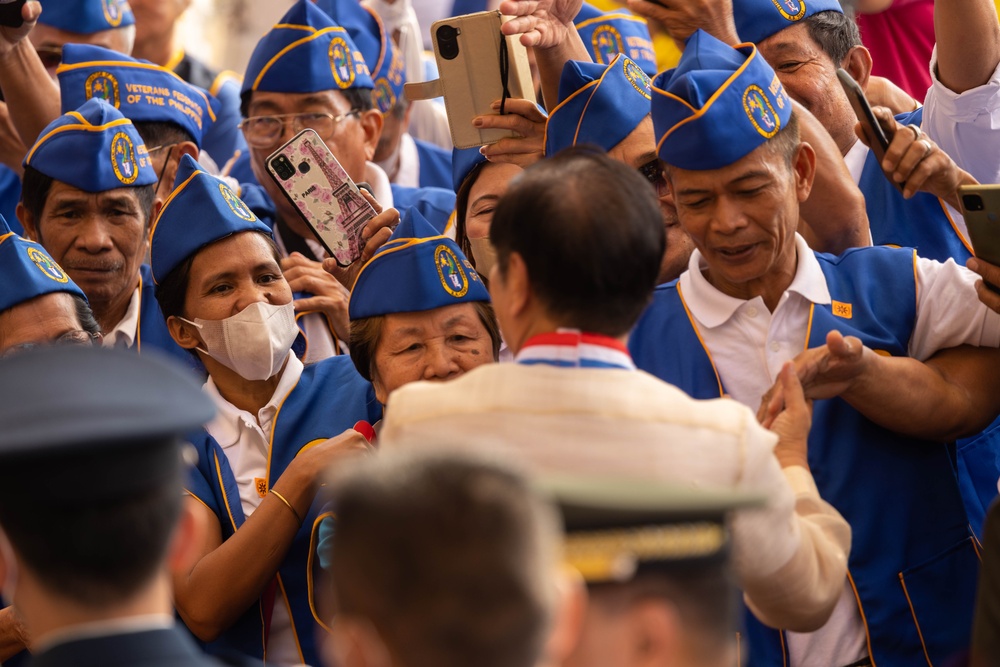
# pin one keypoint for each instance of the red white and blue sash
(568, 348)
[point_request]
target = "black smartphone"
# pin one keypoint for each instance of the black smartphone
(981, 210)
(10, 13)
(877, 139)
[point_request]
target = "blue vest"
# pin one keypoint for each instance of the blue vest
(10, 194)
(435, 165)
(922, 222)
(152, 332)
(437, 205)
(913, 562)
(329, 398)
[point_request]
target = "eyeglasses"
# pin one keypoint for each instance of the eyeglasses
(653, 172)
(74, 337)
(264, 131)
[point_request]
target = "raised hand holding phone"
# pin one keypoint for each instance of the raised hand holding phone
(317, 186)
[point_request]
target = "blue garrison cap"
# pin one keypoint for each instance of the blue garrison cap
(385, 62)
(756, 20)
(463, 162)
(598, 104)
(142, 91)
(86, 16)
(417, 269)
(27, 271)
(717, 105)
(94, 149)
(607, 34)
(201, 210)
(306, 52)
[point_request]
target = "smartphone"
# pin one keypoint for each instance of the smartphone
(473, 60)
(324, 195)
(981, 210)
(877, 139)
(10, 13)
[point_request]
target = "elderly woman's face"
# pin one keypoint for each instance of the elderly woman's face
(435, 344)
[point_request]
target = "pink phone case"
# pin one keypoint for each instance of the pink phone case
(323, 193)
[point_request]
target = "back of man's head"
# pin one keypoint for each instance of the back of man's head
(451, 561)
(591, 236)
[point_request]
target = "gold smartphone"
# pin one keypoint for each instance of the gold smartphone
(476, 65)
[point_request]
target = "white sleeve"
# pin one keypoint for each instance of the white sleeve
(949, 313)
(965, 124)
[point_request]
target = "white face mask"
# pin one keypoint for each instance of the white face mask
(254, 342)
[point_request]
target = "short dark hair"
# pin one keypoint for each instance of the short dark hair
(35, 188)
(704, 593)
(95, 553)
(836, 33)
(162, 133)
(86, 316)
(366, 333)
(358, 98)
(451, 559)
(591, 234)
(171, 291)
(786, 142)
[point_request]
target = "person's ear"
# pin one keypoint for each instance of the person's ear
(380, 393)
(656, 634)
(569, 615)
(805, 170)
(189, 536)
(517, 285)
(858, 64)
(371, 121)
(27, 221)
(183, 333)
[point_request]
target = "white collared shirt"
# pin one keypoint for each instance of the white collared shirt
(749, 345)
(123, 335)
(407, 161)
(245, 439)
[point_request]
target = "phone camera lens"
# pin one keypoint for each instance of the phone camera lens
(447, 39)
(972, 202)
(304, 167)
(283, 167)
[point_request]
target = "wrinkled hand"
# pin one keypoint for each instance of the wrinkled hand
(916, 160)
(523, 117)
(10, 37)
(680, 18)
(792, 421)
(330, 297)
(990, 273)
(375, 233)
(316, 459)
(542, 24)
(824, 372)
(12, 149)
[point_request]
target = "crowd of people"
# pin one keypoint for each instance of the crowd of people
(684, 372)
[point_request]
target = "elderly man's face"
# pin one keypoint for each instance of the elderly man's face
(99, 239)
(44, 319)
(810, 78)
(743, 218)
(638, 150)
(352, 142)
